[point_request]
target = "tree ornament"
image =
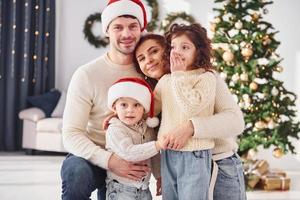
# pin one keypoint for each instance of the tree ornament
(278, 152)
(228, 56)
(266, 40)
(235, 77)
(271, 124)
(255, 17)
(238, 25)
(279, 69)
(253, 86)
(259, 125)
(244, 76)
(274, 91)
(247, 52)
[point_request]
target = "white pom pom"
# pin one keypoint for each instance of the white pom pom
(152, 122)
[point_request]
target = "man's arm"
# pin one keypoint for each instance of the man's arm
(76, 114)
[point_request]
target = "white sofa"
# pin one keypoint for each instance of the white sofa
(40, 133)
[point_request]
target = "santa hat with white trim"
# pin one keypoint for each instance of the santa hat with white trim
(116, 8)
(137, 89)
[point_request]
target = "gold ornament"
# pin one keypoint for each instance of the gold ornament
(279, 68)
(247, 52)
(271, 124)
(253, 86)
(259, 125)
(266, 40)
(228, 56)
(255, 17)
(278, 152)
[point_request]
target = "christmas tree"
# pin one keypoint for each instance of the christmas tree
(245, 55)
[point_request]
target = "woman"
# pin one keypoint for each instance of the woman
(151, 55)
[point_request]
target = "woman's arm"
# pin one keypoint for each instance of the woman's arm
(227, 121)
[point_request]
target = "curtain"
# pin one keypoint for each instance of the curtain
(27, 61)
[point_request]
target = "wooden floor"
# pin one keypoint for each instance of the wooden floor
(38, 178)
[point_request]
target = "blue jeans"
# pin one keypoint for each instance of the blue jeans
(80, 178)
(119, 191)
(185, 175)
(230, 184)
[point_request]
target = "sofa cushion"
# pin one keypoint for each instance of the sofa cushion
(45, 102)
(59, 109)
(49, 125)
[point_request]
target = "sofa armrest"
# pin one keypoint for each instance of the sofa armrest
(33, 114)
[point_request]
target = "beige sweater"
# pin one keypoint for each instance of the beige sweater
(133, 143)
(183, 95)
(86, 108)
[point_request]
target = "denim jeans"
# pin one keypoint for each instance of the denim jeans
(119, 191)
(185, 175)
(230, 184)
(80, 178)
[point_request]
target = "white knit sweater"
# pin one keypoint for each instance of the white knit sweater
(183, 95)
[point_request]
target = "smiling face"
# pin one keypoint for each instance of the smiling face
(150, 58)
(129, 110)
(124, 33)
(182, 46)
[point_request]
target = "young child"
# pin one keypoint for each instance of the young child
(129, 137)
(189, 91)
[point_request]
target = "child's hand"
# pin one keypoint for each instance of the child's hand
(158, 186)
(176, 63)
(160, 143)
(178, 137)
(105, 123)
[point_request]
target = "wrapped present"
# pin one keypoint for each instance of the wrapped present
(271, 182)
(261, 167)
(276, 172)
(254, 171)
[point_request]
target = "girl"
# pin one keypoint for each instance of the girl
(225, 124)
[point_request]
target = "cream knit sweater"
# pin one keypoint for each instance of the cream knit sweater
(86, 108)
(183, 95)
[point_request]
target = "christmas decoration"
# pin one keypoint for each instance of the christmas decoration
(277, 152)
(173, 16)
(152, 25)
(269, 109)
(96, 41)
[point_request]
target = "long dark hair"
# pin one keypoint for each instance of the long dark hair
(163, 43)
(198, 35)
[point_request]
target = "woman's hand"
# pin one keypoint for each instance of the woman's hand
(179, 136)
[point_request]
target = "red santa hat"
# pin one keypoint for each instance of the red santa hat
(137, 89)
(116, 8)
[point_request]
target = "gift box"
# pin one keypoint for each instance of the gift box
(271, 182)
(276, 172)
(254, 171)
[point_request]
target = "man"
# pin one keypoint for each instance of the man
(84, 169)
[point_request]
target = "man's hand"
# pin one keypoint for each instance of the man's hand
(134, 171)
